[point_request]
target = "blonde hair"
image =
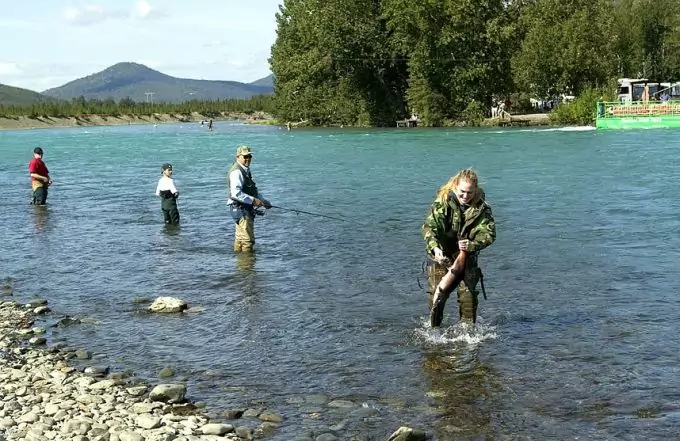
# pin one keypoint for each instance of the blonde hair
(467, 174)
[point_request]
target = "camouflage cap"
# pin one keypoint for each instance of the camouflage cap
(243, 150)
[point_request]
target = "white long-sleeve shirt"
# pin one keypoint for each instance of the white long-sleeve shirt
(165, 183)
(236, 187)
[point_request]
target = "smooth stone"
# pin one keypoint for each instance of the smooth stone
(136, 391)
(244, 432)
(96, 371)
(129, 435)
(82, 354)
(233, 414)
(217, 429)
(168, 393)
(317, 399)
(341, 403)
(168, 305)
(166, 372)
(148, 422)
(271, 417)
(407, 434)
(252, 413)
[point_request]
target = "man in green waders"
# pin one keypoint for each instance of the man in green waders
(244, 198)
(459, 220)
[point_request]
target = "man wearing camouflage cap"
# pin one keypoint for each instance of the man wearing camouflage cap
(243, 199)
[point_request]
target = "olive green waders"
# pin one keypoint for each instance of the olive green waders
(467, 292)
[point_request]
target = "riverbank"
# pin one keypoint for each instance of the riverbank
(28, 123)
(53, 392)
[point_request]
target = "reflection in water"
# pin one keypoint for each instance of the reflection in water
(463, 390)
(171, 229)
(40, 215)
(246, 262)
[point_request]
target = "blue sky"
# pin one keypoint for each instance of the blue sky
(61, 40)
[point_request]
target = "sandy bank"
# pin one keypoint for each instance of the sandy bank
(25, 122)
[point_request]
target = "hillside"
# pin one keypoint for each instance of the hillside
(136, 80)
(16, 96)
(266, 81)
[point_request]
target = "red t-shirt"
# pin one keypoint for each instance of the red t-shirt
(38, 166)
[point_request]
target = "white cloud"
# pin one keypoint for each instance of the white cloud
(20, 25)
(143, 11)
(89, 14)
(9, 69)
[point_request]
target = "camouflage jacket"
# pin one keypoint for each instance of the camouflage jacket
(446, 224)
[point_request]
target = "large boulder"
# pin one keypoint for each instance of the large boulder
(168, 305)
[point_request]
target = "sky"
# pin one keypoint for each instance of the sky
(62, 40)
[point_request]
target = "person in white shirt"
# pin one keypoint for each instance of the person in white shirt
(244, 198)
(168, 193)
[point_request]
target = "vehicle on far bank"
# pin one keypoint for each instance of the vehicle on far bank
(641, 104)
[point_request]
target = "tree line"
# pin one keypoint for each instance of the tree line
(370, 62)
(126, 106)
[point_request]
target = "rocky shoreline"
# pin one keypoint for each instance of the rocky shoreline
(44, 398)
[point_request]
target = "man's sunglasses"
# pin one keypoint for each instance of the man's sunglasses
(247, 156)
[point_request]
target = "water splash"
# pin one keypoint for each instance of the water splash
(458, 333)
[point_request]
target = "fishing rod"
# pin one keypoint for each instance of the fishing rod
(308, 212)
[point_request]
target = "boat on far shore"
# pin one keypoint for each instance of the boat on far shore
(641, 104)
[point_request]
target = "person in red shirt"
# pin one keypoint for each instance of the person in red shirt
(40, 177)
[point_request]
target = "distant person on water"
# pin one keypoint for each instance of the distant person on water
(244, 199)
(168, 193)
(459, 219)
(210, 124)
(40, 177)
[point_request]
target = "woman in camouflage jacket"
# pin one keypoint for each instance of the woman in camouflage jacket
(459, 219)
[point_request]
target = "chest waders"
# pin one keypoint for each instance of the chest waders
(169, 207)
(243, 214)
(441, 282)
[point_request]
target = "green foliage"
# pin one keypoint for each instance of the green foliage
(582, 110)
(376, 61)
(475, 112)
(333, 65)
(80, 106)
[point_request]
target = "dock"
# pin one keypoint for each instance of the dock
(407, 123)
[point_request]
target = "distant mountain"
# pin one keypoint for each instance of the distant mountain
(266, 81)
(16, 96)
(136, 81)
